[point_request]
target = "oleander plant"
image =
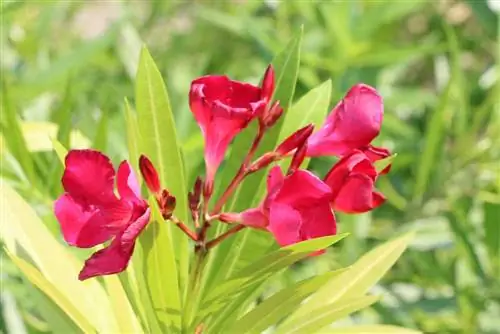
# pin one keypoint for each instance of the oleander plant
(249, 167)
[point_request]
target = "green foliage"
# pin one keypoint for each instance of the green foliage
(63, 84)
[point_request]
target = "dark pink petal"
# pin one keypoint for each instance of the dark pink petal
(352, 124)
(243, 94)
(318, 221)
(356, 161)
(284, 224)
(81, 227)
(275, 180)
(301, 187)
(127, 184)
(357, 195)
(115, 258)
(89, 177)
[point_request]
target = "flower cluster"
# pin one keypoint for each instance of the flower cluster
(298, 205)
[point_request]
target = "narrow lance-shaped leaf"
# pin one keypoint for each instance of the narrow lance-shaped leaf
(159, 142)
(279, 305)
(316, 319)
(359, 278)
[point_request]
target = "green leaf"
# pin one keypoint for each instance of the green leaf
(310, 108)
(60, 150)
(53, 293)
(24, 234)
(435, 133)
(132, 136)
(250, 279)
(359, 278)
(161, 269)
(125, 317)
(492, 234)
(101, 136)
(158, 140)
(13, 135)
(279, 305)
(314, 320)
(372, 329)
(39, 137)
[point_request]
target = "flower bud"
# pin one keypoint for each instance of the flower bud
(267, 86)
(263, 161)
(167, 204)
(298, 158)
(272, 115)
(149, 174)
(295, 140)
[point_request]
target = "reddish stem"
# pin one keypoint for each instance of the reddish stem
(222, 237)
(240, 175)
(184, 228)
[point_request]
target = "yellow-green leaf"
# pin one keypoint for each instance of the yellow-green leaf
(313, 321)
(359, 278)
(22, 228)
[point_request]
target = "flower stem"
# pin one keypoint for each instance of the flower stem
(222, 237)
(240, 175)
(184, 228)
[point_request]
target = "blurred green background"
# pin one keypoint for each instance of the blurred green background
(67, 67)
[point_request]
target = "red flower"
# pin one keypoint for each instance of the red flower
(222, 108)
(352, 181)
(90, 213)
(353, 123)
(296, 208)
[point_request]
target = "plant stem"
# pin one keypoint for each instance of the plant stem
(194, 287)
(222, 237)
(240, 175)
(184, 228)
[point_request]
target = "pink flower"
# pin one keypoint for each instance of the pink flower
(353, 123)
(296, 208)
(222, 108)
(90, 213)
(352, 181)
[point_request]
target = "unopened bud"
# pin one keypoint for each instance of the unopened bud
(298, 158)
(295, 140)
(272, 115)
(263, 161)
(149, 174)
(194, 196)
(267, 86)
(167, 204)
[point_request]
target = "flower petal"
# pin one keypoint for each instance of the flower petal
(81, 227)
(352, 124)
(357, 195)
(356, 161)
(302, 187)
(126, 182)
(114, 258)
(284, 224)
(318, 221)
(89, 177)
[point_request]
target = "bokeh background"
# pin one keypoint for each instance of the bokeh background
(67, 66)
